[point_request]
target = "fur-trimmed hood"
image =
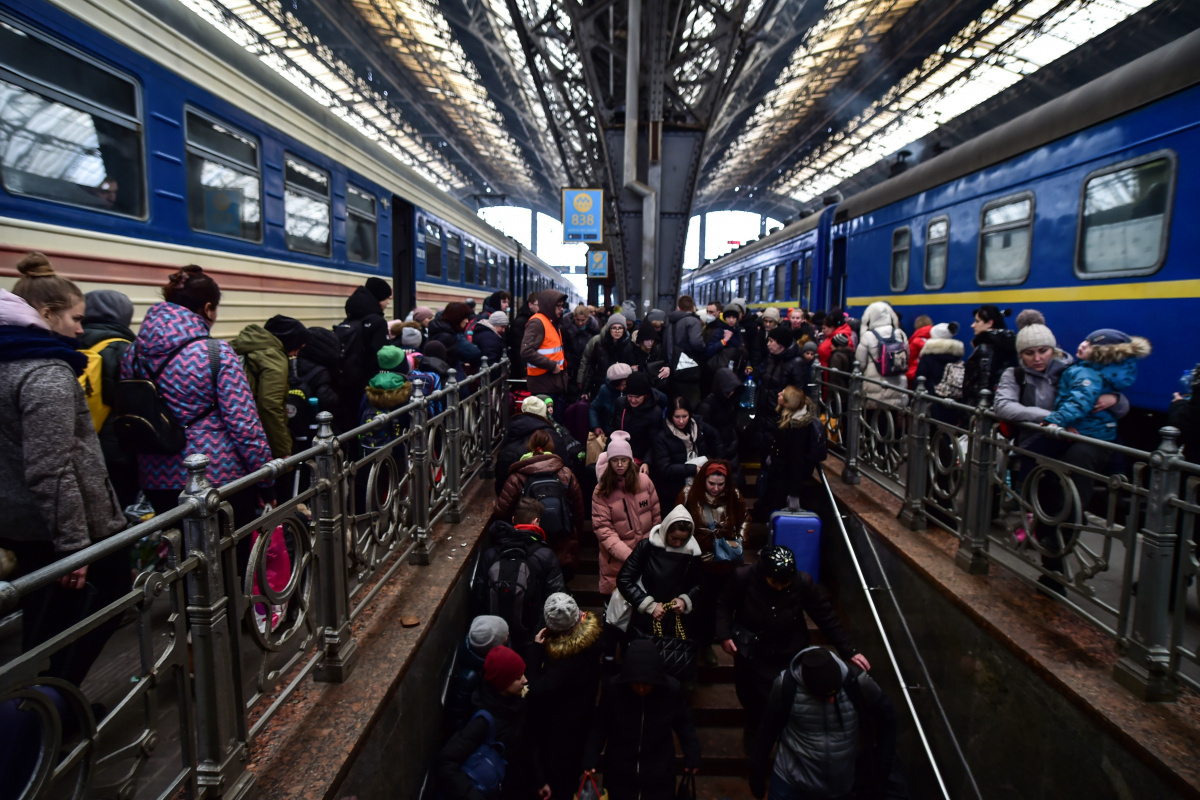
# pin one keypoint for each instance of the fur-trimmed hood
(1136, 347)
(802, 417)
(585, 634)
(389, 398)
(950, 347)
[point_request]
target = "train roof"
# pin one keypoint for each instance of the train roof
(1169, 69)
(787, 232)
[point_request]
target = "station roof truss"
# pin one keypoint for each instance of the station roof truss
(513, 97)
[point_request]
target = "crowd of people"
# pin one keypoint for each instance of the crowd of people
(640, 428)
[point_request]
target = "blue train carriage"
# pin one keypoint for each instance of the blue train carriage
(1078, 208)
(122, 169)
(787, 268)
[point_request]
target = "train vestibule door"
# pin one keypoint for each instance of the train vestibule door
(404, 284)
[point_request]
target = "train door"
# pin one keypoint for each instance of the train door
(404, 245)
(837, 275)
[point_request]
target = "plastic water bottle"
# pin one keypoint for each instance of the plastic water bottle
(314, 405)
(749, 390)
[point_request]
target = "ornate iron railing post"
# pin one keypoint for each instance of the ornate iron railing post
(912, 513)
(338, 648)
(212, 615)
(972, 555)
(1144, 666)
(487, 391)
(851, 474)
(504, 401)
(453, 454)
(423, 549)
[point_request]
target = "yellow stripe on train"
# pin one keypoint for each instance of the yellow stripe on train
(1155, 290)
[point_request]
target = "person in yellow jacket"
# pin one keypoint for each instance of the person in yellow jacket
(542, 348)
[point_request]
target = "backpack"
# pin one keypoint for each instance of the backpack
(732, 357)
(486, 766)
(144, 423)
(546, 488)
(511, 593)
(353, 362)
(951, 384)
(92, 381)
(893, 355)
(469, 332)
(301, 411)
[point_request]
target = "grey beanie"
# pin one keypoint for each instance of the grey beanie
(1034, 335)
(487, 632)
(410, 338)
(656, 315)
(498, 318)
(107, 306)
(615, 319)
(561, 612)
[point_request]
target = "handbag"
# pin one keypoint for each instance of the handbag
(723, 549)
(589, 791)
(687, 787)
(745, 639)
(678, 652)
(595, 446)
(951, 384)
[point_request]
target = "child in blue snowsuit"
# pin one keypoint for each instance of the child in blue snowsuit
(1107, 364)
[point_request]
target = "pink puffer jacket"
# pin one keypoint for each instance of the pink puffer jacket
(621, 521)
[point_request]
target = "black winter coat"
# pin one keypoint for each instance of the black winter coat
(317, 365)
(640, 753)
(664, 575)
(575, 341)
(463, 686)
(524, 773)
(641, 422)
(516, 443)
(606, 353)
(546, 578)
(516, 332)
(777, 616)
(444, 332)
(786, 369)
(793, 450)
(995, 351)
(720, 408)
(490, 345)
(668, 467)
(362, 305)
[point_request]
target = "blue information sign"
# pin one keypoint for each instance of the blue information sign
(583, 215)
(597, 264)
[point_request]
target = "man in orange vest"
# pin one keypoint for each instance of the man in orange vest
(542, 348)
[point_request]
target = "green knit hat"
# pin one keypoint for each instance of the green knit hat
(386, 381)
(390, 357)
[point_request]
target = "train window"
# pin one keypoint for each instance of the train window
(751, 280)
(493, 271)
(222, 179)
(937, 250)
(1005, 241)
(808, 282)
(306, 207)
(362, 228)
(453, 257)
(764, 286)
(469, 262)
(70, 128)
(1124, 218)
(901, 248)
(433, 250)
(781, 272)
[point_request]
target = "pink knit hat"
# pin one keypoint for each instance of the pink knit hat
(619, 445)
(422, 313)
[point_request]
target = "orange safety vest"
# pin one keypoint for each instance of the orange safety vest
(551, 347)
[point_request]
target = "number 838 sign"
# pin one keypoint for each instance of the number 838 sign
(583, 215)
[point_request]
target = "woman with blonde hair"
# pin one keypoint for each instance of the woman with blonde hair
(799, 446)
(53, 483)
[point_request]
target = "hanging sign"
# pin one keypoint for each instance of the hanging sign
(597, 264)
(583, 215)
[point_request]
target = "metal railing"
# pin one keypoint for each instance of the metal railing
(1114, 532)
(215, 638)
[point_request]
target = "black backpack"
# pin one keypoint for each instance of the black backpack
(556, 512)
(512, 594)
(143, 422)
(353, 362)
(301, 412)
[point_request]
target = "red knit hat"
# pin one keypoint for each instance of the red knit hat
(501, 667)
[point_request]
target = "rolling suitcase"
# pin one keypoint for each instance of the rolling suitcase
(799, 531)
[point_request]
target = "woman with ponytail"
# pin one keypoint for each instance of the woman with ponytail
(995, 351)
(202, 382)
(54, 488)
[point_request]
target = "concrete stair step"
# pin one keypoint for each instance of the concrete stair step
(721, 752)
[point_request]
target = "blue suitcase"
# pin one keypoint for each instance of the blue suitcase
(799, 531)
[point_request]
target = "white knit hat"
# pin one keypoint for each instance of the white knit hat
(534, 405)
(498, 318)
(943, 330)
(562, 612)
(1035, 335)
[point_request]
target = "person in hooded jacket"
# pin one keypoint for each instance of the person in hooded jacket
(564, 678)
(577, 332)
(879, 326)
(625, 508)
(784, 366)
(265, 358)
(686, 338)
(486, 631)
(1106, 363)
(601, 408)
(639, 711)
(364, 311)
(662, 576)
(798, 447)
(613, 345)
(501, 696)
(540, 458)
(638, 413)
(108, 317)
(316, 368)
(533, 417)
(817, 710)
(446, 328)
(681, 446)
(760, 622)
(995, 351)
(53, 486)
(489, 336)
(496, 301)
(219, 411)
(720, 409)
(516, 334)
(542, 349)
(922, 327)
(940, 351)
